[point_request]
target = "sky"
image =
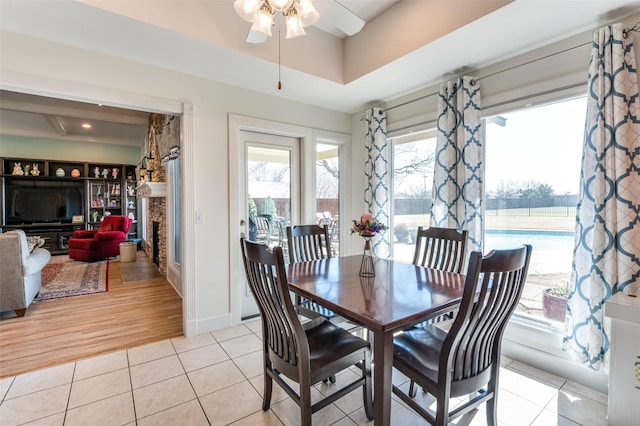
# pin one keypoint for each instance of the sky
(542, 144)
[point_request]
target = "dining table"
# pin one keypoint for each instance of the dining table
(399, 296)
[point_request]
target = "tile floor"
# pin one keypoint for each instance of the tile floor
(216, 379)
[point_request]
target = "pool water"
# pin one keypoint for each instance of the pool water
(552, 250)
(540, 240)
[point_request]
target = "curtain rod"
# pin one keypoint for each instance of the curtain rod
(502, 71)
(545, 92)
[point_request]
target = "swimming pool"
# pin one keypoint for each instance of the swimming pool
(540, 240)
(552, 250)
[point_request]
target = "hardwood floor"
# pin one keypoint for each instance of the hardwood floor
(58, 331)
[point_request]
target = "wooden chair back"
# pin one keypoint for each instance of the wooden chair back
(308, 242)
(441, 248)
(267, 278)
(470, 353)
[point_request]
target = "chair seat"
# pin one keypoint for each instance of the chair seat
(419, 350)
(82, 243)
(329, 343)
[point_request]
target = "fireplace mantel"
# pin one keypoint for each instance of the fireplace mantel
(152, 189)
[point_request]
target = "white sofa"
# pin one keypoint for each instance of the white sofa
(20, 271)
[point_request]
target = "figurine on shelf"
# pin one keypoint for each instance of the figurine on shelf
(17, 169)
(26, 169)
(130, 190)
(114, 172)
(35, 170)
(96, 172)
(105, 173)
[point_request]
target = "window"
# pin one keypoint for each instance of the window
(413, 160)
(328, 191)
(532, 182)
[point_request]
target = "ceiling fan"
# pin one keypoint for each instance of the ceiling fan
(328, 15)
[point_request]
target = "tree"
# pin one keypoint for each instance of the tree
(269, 208)
(327, 178)
(253, 209)
(518, 189)
(536, 190)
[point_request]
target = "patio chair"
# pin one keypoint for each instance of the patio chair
(305, 354)
(465, 360)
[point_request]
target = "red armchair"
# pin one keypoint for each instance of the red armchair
(98, 244)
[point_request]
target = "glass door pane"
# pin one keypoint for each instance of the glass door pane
(328, 192)
(269, 186)
(269, 194)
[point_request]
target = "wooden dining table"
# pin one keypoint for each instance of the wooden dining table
(399, 296)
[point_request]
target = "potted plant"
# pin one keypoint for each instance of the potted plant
(554, 302)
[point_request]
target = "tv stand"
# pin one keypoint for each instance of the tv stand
(55, 235)
(89, 192)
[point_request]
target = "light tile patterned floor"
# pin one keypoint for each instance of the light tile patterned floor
(216, 379)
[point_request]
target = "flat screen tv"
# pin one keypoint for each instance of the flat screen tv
(28, 202)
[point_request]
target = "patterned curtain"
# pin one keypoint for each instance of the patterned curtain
(378, 175)
(459, 170)
(607, 250)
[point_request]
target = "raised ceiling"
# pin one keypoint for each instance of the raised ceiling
(405, 45)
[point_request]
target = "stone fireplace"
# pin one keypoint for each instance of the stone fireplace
(153, 187)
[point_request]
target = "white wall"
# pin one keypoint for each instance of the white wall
(42, 67)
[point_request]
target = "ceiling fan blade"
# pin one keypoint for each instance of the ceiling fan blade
(337, 19)
(256, 37)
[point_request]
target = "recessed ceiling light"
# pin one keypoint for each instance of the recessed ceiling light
(86, 125)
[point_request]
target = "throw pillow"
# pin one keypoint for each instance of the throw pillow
(105, 227)
(34, 242)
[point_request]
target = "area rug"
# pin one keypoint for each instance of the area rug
(63, 277)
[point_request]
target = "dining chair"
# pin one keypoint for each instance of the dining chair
(466, 359)
(308, 243)
(308, 353)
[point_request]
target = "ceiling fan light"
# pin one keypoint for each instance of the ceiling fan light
(247, 9)
(280, 5)
(308, 14)
(294, 25)
(263, 21)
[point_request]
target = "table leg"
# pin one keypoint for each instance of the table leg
(382, 371)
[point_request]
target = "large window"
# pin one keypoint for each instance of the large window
(532, 181)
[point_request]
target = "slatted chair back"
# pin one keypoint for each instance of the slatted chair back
(308, 242)
(441, 248)
(284, 334)
(492, 290)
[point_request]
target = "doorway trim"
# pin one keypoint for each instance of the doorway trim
(43, 86)
(238, 123)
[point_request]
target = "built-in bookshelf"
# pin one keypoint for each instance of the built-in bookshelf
(53, 198)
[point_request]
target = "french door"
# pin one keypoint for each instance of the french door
(269, 196)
